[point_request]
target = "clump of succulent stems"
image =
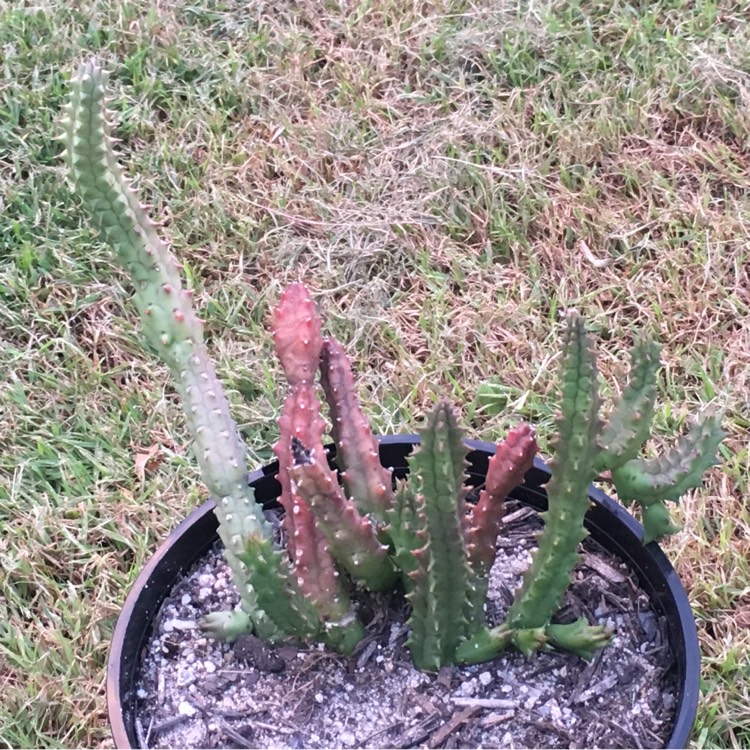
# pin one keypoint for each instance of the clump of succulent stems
(351, 525)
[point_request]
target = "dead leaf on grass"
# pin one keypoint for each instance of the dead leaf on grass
(148, 461)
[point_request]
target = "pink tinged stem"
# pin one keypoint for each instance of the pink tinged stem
(317, 577)
(300, 418)
(315, 572)
(352, 538)
(365, 480)
(296, 334)
(513, 457)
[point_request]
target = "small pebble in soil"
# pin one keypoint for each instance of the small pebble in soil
(186, 709)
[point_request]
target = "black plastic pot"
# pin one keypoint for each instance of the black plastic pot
(610, 525)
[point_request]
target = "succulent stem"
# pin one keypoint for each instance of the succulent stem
(296, 335)
(654, 480)
(404, 529)
(297, 338)
(579, 637)
(366, 482)
(669, 476)
(439, 596)
(175, 332)
(352, 538)
(513, 457)
(630, 422)
(572, 467)
(485, 644)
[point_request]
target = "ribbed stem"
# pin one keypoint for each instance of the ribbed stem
(572, 467)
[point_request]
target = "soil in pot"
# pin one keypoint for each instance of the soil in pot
(196, 692)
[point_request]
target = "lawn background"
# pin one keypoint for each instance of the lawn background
(447, 177)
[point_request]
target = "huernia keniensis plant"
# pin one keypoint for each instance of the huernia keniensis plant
(352, 525)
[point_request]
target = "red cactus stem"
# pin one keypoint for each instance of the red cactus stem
(316, 574)
(296, 334)
(351, 536)
(314, 567)
(300, 418)
(365, 480)
(513, 457)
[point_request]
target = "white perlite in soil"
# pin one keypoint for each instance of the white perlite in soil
(197, 693)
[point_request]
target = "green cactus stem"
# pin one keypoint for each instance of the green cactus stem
(404, 531)
(529, 640)
(488, 643)
(484, 645)
(260, 571)
(579, 637)
(572, 468)
(366, 482)
(169, 321)
(654, 480)
(277, 593)
(441, 579)
(669, 476)
(226, 626)
(174, 331)
(630, 422)
(656, 520)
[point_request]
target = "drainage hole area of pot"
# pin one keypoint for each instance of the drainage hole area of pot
(194, 692)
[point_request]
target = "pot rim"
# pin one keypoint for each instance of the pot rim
(686, 637)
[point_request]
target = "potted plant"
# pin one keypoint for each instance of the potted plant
(350, 532)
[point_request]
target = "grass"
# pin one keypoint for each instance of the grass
(447, 176)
